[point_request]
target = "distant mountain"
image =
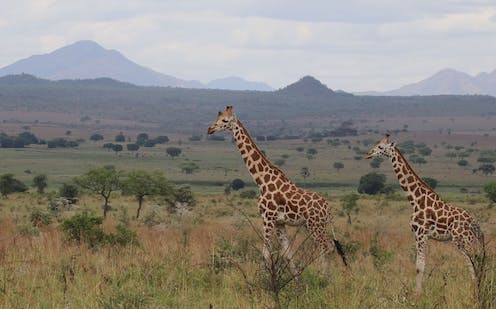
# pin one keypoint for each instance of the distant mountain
(447, 81)
(306, 86)
(89, 60)
(237, 83)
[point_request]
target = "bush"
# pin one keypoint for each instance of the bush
(124, 236)
(430, 181)
(490, 189)
(372, 183)
(69, 191)
(84, 228)
(237, 184)
(39, 218)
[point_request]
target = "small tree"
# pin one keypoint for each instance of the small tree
(189, 167)
(430, 181)
(141, 139)
(349, 204)
(372, 183)
(69, 191)
(9, 184)
(117, 148)
(338, 166)
(120, 138)
(237, 184)
(40, 182)
(305, 173)
(487, 169)
(173, 151)
(490, 189)
(462, 163)
(96, 137)
(132, 147)
(101, 180)
(142, 183)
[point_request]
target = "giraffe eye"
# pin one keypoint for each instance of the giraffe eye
(225, 121)
(380, 147)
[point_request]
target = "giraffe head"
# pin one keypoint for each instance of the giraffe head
(225, 121)
(383, 148)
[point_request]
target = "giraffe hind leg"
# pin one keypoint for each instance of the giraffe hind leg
(420, 262)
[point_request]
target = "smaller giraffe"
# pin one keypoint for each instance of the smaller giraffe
(281, 202)
(433, 218)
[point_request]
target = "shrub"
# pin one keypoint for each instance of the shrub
(237, 184)
(430, 181)
(84, 228)
(124, 236)
(39, 218)
(372, 183)
(69, 191)
(490, 189)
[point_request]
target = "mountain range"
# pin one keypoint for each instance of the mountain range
(89, 60)
(447, 81)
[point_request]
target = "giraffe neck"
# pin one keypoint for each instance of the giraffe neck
(414, 186)
(256, 162)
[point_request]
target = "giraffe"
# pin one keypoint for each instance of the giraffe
(280, 202)
(432, 217)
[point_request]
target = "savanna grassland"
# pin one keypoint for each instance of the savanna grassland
(210, 255)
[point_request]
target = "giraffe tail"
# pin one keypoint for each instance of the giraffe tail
(340, 250)
(339, 247)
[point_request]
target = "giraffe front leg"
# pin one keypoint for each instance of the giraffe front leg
(268, 232)
(288, 255)
(420, 262)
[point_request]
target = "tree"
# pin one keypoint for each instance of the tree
(101, 180)
(424, 151)
(141, 139)
(237, 184)
(490, 189)
(173, 151)
(349, 204)
(311, 151)
(9, 184)
(372, 183)
(142, 183)
(338, 166)
(69, 191)
(117, 148)
(487, 169)
(132, 147)
(40, 182)
(161, 139)
(462, 162)
(189, 167)
(96, 137)
(305, 173)
(430, 181)
(120, 138)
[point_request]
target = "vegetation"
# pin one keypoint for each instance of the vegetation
(103, 181)
(372, 183)
(237, 184)
(9, 184)
(40, 182)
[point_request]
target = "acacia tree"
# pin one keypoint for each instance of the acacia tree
(40, 182)
(103, 181)
(9, 184)
(349, 204)
(142, 183)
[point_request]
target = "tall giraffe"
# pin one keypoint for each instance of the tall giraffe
(281, 202)
(433, 218)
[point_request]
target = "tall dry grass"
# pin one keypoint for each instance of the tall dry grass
(211, 257)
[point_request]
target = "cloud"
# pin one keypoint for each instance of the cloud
(350, 45)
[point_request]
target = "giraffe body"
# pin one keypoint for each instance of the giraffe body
(433, 218)
(281, 202)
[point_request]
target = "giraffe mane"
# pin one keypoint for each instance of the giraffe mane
(271, 165)
(422, 182)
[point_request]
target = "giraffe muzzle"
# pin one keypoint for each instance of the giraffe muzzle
(210, 131)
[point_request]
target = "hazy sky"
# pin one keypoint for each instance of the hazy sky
(353, 45)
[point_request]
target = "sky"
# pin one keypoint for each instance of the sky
(352, 45)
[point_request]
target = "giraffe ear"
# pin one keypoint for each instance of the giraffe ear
(219, 113)
(229, 109)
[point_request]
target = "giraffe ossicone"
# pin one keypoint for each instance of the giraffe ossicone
(432, 217)
(281, 202)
